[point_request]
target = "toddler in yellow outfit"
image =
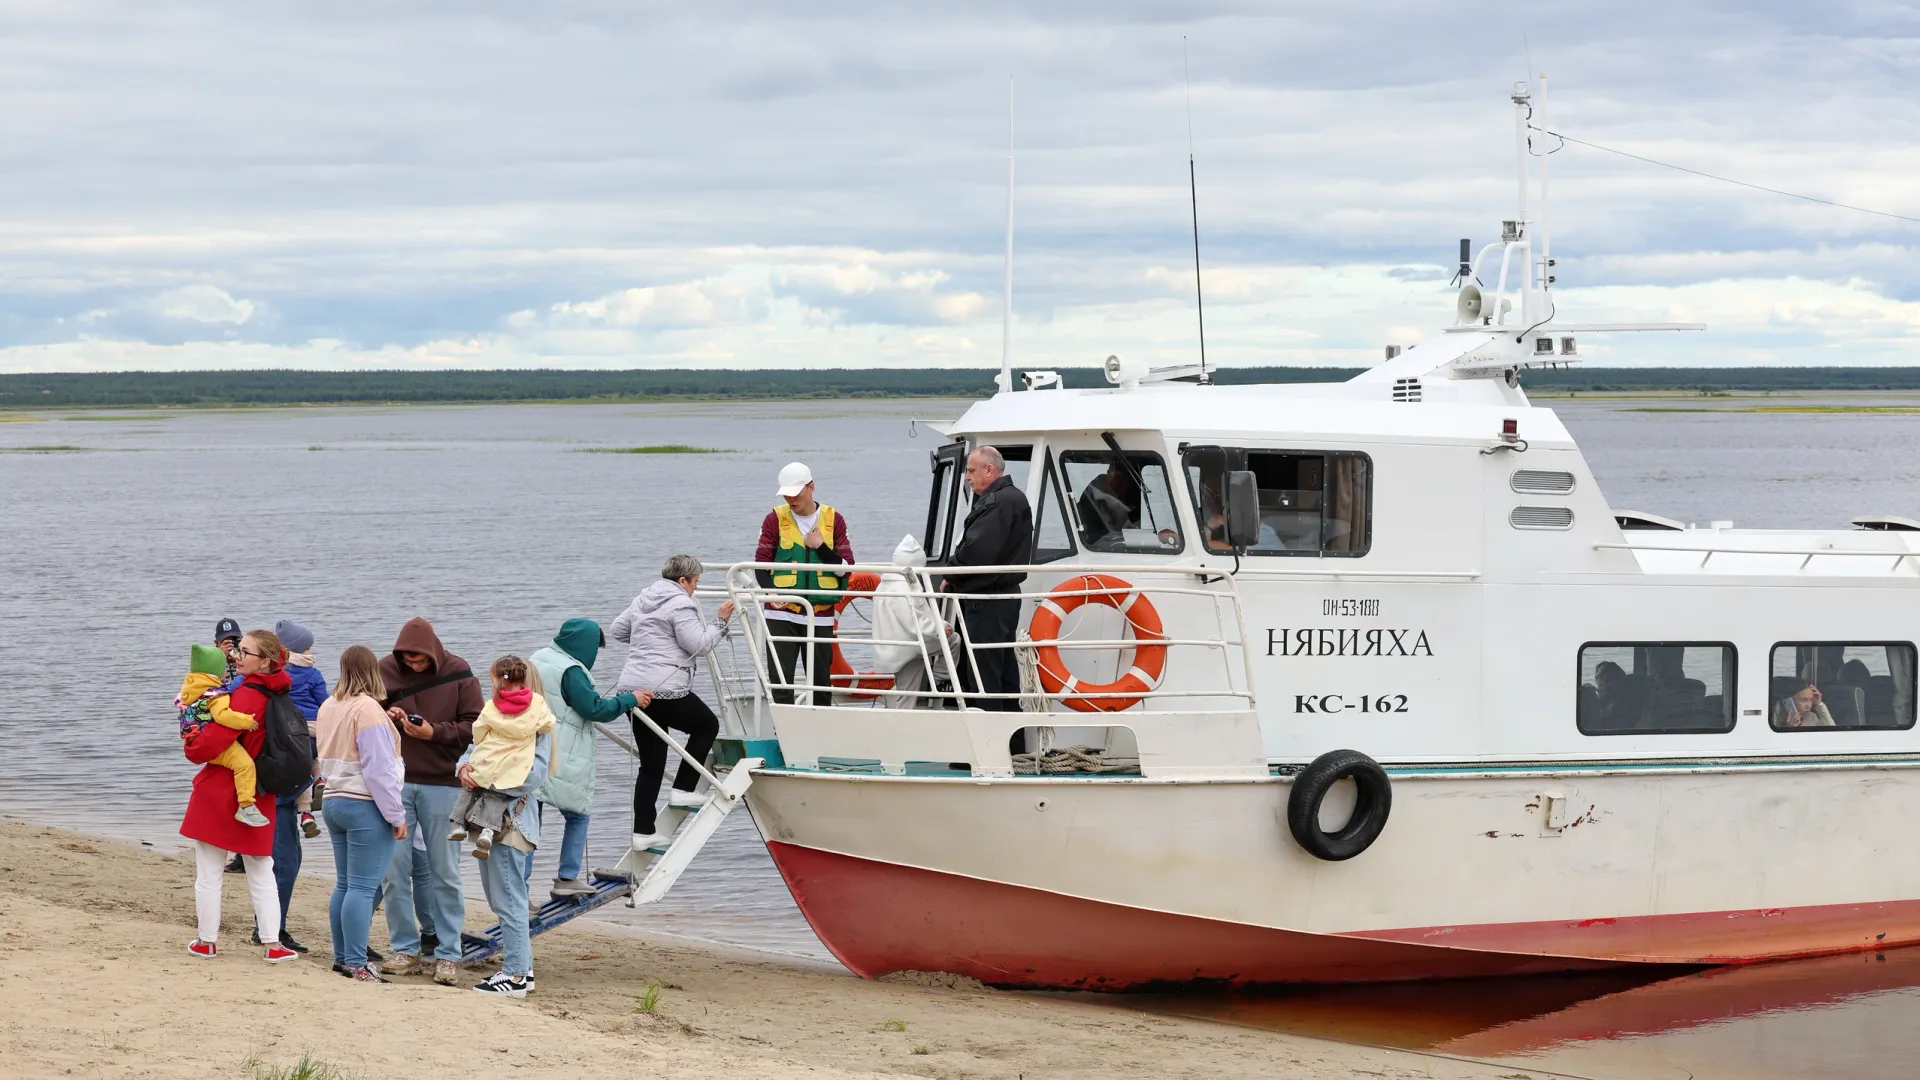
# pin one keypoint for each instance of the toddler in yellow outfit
(502, 755)
(203, 701)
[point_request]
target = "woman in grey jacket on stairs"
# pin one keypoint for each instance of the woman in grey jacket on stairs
(666, 638)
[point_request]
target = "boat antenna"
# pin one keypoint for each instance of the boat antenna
(1006, 273)
(1193, 194)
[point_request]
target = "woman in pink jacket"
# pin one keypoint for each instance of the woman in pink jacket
(360, 761)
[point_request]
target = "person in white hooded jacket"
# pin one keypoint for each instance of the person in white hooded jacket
(901, 617)
(666, 638)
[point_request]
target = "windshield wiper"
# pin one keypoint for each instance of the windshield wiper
(1139, 483)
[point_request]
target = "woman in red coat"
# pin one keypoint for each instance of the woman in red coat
(210, 822)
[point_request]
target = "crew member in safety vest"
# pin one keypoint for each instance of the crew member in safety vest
(812, 538)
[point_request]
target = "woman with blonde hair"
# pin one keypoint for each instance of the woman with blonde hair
(210, 821)
(360, 762)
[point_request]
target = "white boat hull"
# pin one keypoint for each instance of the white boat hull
(1127, 883)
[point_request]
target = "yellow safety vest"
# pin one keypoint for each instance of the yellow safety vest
(793, 549)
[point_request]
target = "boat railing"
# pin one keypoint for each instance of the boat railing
(1807, 554)
(1204, 637)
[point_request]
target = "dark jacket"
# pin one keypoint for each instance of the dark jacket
(999, 532)
(450, 707)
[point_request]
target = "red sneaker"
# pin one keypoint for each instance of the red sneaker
(278, 954)
(205, 950)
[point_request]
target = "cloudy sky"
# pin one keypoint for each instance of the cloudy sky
(733, 184)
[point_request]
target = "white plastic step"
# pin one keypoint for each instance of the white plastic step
(658, 868)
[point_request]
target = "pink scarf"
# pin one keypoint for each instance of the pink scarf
(513, 702)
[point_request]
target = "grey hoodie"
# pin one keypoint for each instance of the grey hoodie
(665, 640)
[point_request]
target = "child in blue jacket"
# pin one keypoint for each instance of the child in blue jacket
(308, 691)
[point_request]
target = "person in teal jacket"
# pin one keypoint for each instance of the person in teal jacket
(577, 706)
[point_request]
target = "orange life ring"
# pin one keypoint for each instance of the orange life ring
(1149, 658)
(843, 676)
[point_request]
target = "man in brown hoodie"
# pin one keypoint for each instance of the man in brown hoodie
(423, 679)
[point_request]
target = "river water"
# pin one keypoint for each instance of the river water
(128, 539)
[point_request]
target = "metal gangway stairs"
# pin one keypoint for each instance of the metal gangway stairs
(642, 877)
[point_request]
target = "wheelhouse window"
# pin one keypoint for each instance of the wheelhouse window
(1656, 688)
(1019, 461)
(1311, 502)
(1122, 503)
(1828, 685)
(1052, 529)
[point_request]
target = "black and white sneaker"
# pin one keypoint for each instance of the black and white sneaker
(505, 985)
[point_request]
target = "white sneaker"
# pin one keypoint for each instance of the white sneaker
(646, 841)
(251, 815)
(505, 985)
(686, 800)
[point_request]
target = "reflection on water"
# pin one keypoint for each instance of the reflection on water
(1841, 1016)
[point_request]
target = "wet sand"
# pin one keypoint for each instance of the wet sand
(99, 984)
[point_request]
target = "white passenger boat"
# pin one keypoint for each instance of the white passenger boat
(1370, 682)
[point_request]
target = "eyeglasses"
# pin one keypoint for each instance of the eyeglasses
(256, 655)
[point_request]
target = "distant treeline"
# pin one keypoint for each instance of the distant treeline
(162, 388)
(151, 388)
(1715, 379)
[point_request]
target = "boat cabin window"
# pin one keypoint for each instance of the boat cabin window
(1828, 685)
(1019, 461)
(1311, 502)
(949, 469)
(1052, 529)
(1122, 505)
(1655, 688)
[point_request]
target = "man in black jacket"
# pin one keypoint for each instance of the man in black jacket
(999, 532)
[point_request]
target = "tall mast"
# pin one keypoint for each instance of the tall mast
(1522, 106)
(1006, 273)
(1522, 99)
(1546, 219)
(1193, 195)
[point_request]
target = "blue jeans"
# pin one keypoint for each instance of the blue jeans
(573, 843)
(362, 848)
(422, 881)
(428, 808)
(286, 851)
(503, 875)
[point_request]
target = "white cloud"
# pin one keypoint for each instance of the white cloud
(204, 304)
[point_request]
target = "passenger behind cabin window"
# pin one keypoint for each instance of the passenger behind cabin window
(1620, 699)
(1110, 503)
(1802, 708)
(1674, 700)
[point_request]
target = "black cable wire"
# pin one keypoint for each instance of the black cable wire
(1730, 180)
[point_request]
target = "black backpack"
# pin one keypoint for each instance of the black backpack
(285, 762)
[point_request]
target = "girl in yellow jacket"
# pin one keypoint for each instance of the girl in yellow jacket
(502, 756)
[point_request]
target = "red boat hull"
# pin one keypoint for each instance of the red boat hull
(880, 917)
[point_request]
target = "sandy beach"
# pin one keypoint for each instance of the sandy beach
(99, 984)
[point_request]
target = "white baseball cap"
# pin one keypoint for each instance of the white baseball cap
(794, 479)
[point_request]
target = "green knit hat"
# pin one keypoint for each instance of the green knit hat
(208, 660)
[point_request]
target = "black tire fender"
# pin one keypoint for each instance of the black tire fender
(1374, 800)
